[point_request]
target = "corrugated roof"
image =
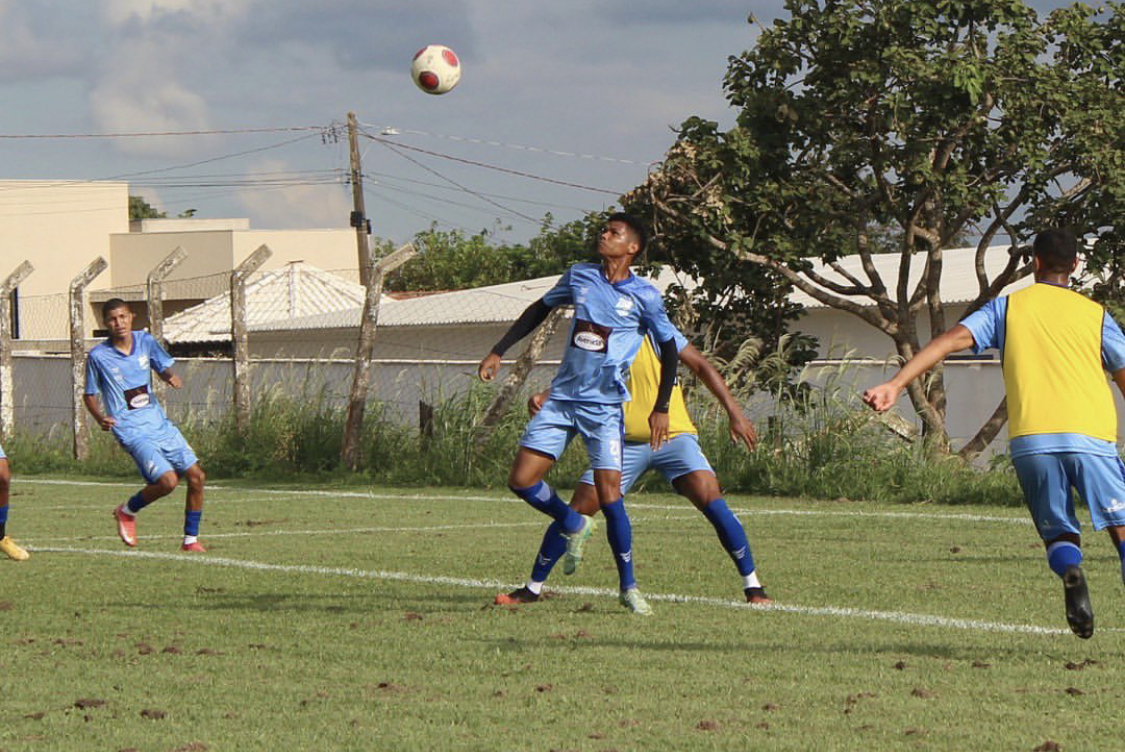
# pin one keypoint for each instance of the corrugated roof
(294, 291)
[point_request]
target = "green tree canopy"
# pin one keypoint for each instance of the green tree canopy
(931, 118)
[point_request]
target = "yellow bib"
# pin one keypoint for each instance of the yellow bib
(1053, 370)
(643, 384)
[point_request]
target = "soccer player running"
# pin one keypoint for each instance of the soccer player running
(612, 310)
(1055, 345)
(120, 369)
(7, 546)
(680, 460)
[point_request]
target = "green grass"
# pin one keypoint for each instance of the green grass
(334, 621)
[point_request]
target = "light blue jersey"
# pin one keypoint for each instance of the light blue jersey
(125, 384)
(609, 321)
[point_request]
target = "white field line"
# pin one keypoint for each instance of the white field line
(898, 617)
(273, 494)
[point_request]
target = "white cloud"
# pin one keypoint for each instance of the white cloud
(294, 206)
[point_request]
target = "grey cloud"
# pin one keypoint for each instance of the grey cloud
(662, 12)
(43, 40)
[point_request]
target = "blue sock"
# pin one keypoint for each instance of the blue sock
(548, 502)
(1062, 555)
(3, 520)
(731, 534)
(191, 521)
(550, 551)
(620, 533)
(1121, 553)
(136, 503)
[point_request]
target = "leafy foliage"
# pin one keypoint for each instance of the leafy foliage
(934, 119)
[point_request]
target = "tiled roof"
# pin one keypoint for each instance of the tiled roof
(296, 290)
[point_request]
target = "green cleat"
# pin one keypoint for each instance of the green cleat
(575, 542)
(635, 602)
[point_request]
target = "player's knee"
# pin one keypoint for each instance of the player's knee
(195, 477)
(167, 483)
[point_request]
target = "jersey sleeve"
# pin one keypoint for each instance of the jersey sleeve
(1113, 345)
(656, 319)
(561, 293)
(91, 376)
(986, 324)
(158, 358)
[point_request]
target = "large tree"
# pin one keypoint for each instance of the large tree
(933, 119)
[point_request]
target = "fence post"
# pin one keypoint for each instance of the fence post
(7, 386)
(349, 454)
(239, 341)
(155, 286)
(78, 287)
(515, 380)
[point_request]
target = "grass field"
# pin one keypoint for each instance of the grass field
(360, 619)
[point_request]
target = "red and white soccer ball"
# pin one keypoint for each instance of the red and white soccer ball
(436, 69)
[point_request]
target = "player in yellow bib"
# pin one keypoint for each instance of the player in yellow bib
(1056, 347)
(679, 459)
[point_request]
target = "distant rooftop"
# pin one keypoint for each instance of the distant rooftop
(188, 224)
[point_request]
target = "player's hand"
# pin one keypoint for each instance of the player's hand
(489, 367)
(106, 422)
(535, 401)
(658, 429)
(881, 398)
(741, 429)
(174, 381)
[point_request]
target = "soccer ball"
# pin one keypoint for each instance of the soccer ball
(436, 69)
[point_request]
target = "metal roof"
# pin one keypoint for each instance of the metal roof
(296, 290)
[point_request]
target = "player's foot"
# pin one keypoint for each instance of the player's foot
(12, 550)
(1079, 612)
(757, 595)
(516, 597)
(635, 602)
(126, 526)
(576, 542)
(194, 547)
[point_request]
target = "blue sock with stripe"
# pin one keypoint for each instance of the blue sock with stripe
(731, 534)
(136, 503)
(192, 518)
(550, 551)
(620, 533)
(1062, 555)
(548, 502)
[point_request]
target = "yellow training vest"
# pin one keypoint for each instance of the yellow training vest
(643, 384)
(1052, 364)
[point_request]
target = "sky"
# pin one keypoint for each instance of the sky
(562, 105)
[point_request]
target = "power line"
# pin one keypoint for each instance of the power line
(154, 134)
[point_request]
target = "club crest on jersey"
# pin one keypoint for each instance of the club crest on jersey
(142, 361)
(590, 337)
(624, 305)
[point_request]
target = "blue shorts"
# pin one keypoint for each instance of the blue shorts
(550, 430)
(157, 452)
(1046, 480)
(677, 457)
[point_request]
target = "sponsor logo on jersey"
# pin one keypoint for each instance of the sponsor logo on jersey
(137, 397)
(590, 337)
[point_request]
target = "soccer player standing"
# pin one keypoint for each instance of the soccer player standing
(680, 460)
(612, 310)
(120, 369)
(7, 546)
(1056, 346)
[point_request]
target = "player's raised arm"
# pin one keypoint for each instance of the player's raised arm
(741, 429)
(658, 419)
(881, 398)
(532, 316)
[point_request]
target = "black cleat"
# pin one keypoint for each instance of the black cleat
(1079, 613)
(757, 595)
(516, 597)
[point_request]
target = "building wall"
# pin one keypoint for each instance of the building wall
(842, 334)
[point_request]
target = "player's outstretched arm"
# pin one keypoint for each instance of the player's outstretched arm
(170, 378)
(531, 317)
(658, 418)
(881, 398)
(741, 429)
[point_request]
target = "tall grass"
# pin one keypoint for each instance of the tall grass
(817, 441)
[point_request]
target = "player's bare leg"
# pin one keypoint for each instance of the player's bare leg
(1117, 535)
(193, 508)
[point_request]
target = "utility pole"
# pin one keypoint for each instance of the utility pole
(359, 212)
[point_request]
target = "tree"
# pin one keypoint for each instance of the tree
(934, 118)
(141, 209)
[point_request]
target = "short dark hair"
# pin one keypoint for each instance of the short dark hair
(634, 224)
(1057, 249)
(112, 305)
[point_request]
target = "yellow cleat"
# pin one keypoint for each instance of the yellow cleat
(12, 550)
